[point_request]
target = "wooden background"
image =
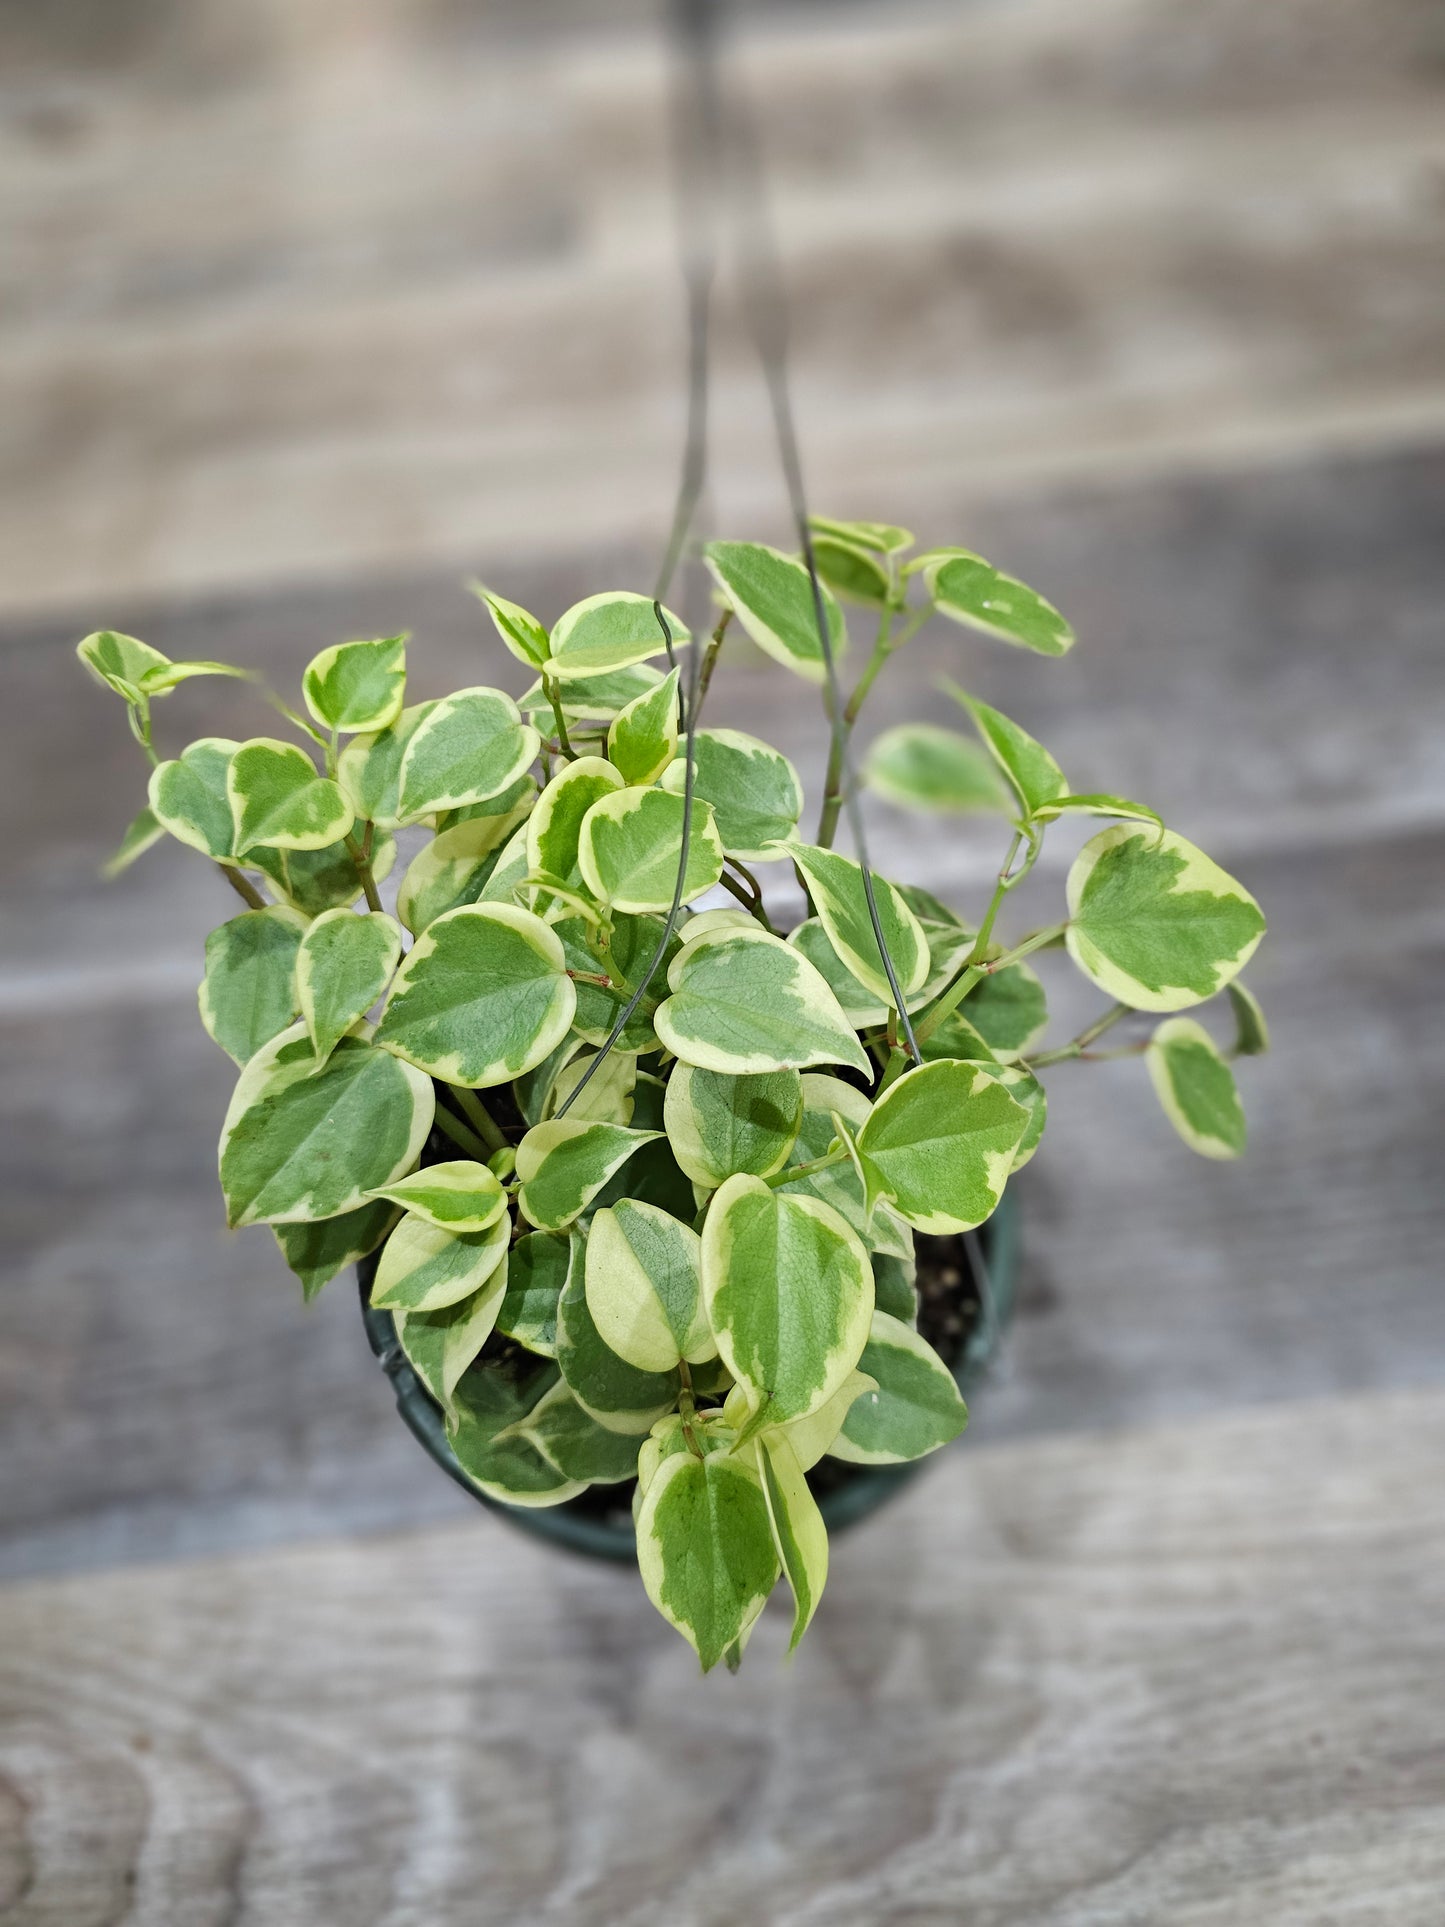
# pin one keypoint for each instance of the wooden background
(306, 312)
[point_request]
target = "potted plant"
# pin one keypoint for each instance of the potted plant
(648, 1199)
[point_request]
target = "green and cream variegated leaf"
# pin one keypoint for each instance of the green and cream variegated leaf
(160, 682)
(618, 1395)
(789, 1294)
(969, 590)
(327, 879)
(643, 738)
(884, 537)
(537, 1273)
(487, 1432)
(344, 964)
(1154, 923)
(836, 885)
(773, 599)
(1251, 1032)
(853, 571)
(482, 997)
(590, 699)
(121, 663)
(190, 798)
(895, 1287)
(451, 870)
(606, 1097)
(521, 632)
(1196, 1088)
(1028, 769)
(564, 1163)
(357, 686)
(744, 1001)
(248, 994)
(369, 768)
(425, 1267)
(459, 1195)
(720, 1123)
(799, 1535)
(956, 1037)
(914, 1407)
(940, 1144)
(144, 829)
(555, 824)
(468, 747)
(299, 1143)
(922, 767)
(316, 1251)
(705, 1550)
(753, 790)
(859, 1006)
(278, 799)
(564, 1431)
(630, 845)
(644, 1287)
(441, 1344)
(609, 632)
(506, 882)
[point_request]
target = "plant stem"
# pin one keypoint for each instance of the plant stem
(360, 857)
(487, 1129)
(974, 973)
(243, 886)
(1077, 1046)
(554, 697)
(884, 646)
(687, 1409)
(823, 1163)
(466, 1140)
(752, 903)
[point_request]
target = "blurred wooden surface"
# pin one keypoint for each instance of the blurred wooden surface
(1189, 1675)
(308, 311)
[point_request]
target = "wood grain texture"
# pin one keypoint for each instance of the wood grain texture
(1186, 1675)
(243, 339)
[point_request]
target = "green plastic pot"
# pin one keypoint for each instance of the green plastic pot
(569, 1524)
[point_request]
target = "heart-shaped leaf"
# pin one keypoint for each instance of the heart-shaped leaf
(607, 632)
(356, 686)
(467, 747)
(189, 796)
(278, 799)
(744, 1001)
(914, 1406)
(630, 846)
(1196, 1088)
(773, 599)
(753, 790)
(344, 964)
(249, 991)
(644, 1287)
(940, 1143)
(705, 1550)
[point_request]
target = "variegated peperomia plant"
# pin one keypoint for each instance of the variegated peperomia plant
(645, 1176)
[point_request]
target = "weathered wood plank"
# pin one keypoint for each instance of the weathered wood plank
(1187, 1675)
(251, 340)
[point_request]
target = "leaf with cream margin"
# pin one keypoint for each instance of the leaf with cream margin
(298, 1143)
(705, 1550)
(564, 1163)
(555, 824)
(608, 632)
(720, 1123)
(971, 591)
(940, 1143)
(789, 1292)
(190, 798)
(644, 1287)
(486, 1429)
(914, 1408)
(248, 993)
(317, 1251)
(773, 599)
(450, 871)
(441, 1344)
(278, 799)
(425, 1267)
(369, 768)
(752, 788)
(1196, 1088)
(643, 738)
(836, 885)
(1030, 772)
(1154, 923)
(919, 766)
(520, 631)
(799, 1535)
(745, 1001)
(459, 1195)
(344, 964)
(630, 844)
(468, 747)
(482, 997)
(618, 1395)
(357, 687)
